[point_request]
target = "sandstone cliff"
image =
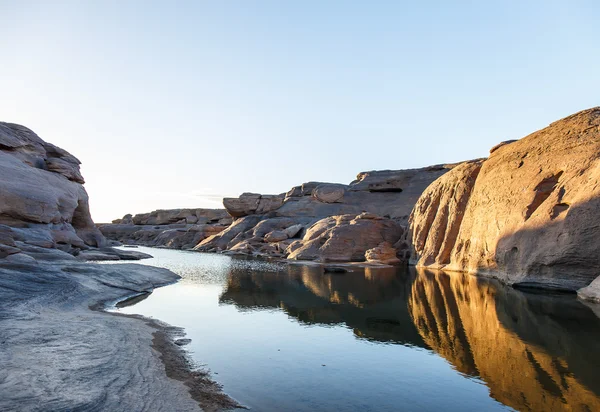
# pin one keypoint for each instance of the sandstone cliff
(527, 214)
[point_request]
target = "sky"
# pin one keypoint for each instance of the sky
(177, 104)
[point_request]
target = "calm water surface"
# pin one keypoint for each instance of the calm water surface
(291, 338)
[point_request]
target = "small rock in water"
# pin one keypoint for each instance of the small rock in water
(181, 342)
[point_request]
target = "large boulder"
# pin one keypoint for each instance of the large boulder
(252, 203)
(531, 215)
(345, 238)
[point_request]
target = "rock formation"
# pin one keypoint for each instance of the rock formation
(527, 214)
(345, 238)
(44, 209)
(325, 221)
(175, 228)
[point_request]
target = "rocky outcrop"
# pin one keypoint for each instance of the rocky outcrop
(345, 238)
(44, 208)
(295, 219)
(527, 215)
(175, 228)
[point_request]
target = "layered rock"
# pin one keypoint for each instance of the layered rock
(174, 228)
(44, 208)
(528, 216)
(387, 196)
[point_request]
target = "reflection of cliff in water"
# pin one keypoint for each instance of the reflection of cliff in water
(535, 352)
(374, 306)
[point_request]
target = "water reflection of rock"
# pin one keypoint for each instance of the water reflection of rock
(535, 352)
(374, 306)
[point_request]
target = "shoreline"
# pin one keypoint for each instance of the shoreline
(62, 350)
(177, 361)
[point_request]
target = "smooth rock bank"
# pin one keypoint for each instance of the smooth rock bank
(58, 354)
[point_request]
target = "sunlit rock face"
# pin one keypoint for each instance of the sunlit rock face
(530, 351)
(43, 204)
(528, 215)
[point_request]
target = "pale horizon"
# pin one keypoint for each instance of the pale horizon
(179, 108)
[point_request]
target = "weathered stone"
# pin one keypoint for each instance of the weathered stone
(383, 253)
(293, 230)
(344, 238)
(41, 185)
(329, 193)
(252, 203)
(531, 216)
(591, 292)
(436, 218)
(275, 236)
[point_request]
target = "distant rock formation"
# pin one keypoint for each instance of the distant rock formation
(326, 222)
(527, 215)
(44, 209)
(175, 228)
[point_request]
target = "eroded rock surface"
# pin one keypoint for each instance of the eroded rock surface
(174, 228)
(528, 216)
(44, 208)
(345, 238)
(261, 220)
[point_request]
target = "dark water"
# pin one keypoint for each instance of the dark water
(291, 338)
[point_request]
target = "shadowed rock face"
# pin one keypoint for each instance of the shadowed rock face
(527, 214)
(535, 352)
(42, 201)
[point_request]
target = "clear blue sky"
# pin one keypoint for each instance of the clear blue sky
(174, 104)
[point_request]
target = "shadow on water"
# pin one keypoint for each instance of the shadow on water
(534, 351)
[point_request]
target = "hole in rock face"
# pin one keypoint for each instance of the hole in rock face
(558, 209)
(542, 192)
